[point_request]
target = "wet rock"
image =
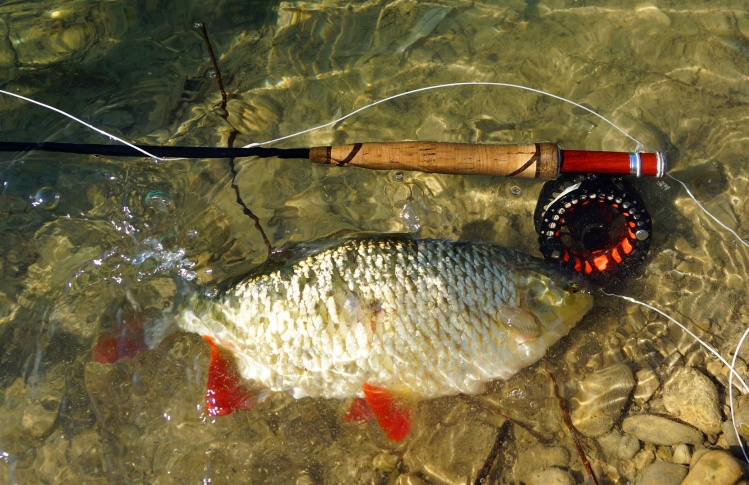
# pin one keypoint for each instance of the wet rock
(409, 479)
(609, 443)
(643, 459)
(32, 409)
(550, 476)
(692, 397)
(662, 473)
(647, 384)
(728, 439)
(682, 455)
(538, 458)
(741, 413)
(628, 447)
(602, 396)
(449, 454)
(715, 467)
(385, 462)
(660, 431)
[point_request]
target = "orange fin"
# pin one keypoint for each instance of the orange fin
(225, 390)
(359, 411)
(123, 342)
(393, 414)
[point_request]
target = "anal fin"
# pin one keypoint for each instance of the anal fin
(393, 413)
(225, 390)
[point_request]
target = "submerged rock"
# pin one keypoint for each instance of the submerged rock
(660, 431)
(662, 473)
(448, 454)
(601, 398)
(550, 476)
(715, 467)
(692, 397)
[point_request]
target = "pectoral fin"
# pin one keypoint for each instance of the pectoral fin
(123, 341)
(393, 413)
(225, 390)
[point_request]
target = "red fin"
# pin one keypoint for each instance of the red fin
(123, 342)
(225, 392)
(359, 411)
(393, 414)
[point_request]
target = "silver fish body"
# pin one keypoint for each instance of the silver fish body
(426, 318)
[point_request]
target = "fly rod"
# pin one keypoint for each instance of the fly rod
(536, 160)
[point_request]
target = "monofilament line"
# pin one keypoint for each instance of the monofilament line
(87, 125)
(730, 395)
(707, 212)
(639, 145)
(692, 334)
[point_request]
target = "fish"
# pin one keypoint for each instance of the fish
(385, 321)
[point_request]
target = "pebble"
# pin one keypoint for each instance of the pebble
(601, 398)
(628, 447)
(538, 458)
(448, 454)
(692, 397)
(682, 455)
(661, 473)
(647, 384)
(660, 431)
(385, 462)
(742, 418)
(410, 479)
(651, 13)
(550, 476)
(715, 467)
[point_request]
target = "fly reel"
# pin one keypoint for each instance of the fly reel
(593, 225)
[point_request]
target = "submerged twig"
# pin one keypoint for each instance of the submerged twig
(483, 474)
(201, 27)
(232, 136)
(573, 431)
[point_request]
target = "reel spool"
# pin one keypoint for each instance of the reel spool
(593, 225)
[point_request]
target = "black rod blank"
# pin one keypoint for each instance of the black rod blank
(159, 151)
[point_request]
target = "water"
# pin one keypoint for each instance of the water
(88, 241)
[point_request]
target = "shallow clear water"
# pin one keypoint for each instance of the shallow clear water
(85, 241)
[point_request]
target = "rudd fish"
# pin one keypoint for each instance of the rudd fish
(386, 321)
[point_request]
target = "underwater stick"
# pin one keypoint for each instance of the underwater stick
(538, 160)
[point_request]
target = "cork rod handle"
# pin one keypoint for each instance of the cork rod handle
(537, 160)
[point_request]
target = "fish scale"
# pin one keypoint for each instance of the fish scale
(424, 317)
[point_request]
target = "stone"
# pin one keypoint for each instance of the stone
(538, 458)
(647, 384)
(716, 467)
(550, 476)
(385, 462)
(681, 455)
(661, 473)
(660, 431)
(692, 397)
(628, 447)
(447, 454)
(600, 400)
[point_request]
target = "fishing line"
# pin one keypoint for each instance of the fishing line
(87, 125)
(730, 366)
(683, 327)
(742, 241)
(639, 145)
(730, 395)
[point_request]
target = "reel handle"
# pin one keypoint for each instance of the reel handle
(537, 160)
